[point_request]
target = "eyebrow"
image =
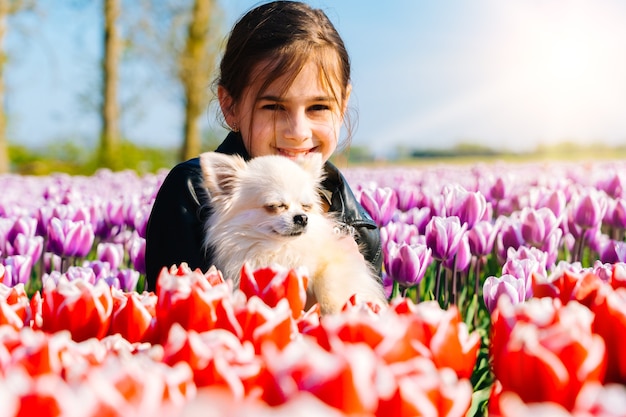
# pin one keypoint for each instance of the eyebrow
(280, 99)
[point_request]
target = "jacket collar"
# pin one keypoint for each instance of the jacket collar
(233, 145)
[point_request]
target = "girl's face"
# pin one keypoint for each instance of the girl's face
(304, 118)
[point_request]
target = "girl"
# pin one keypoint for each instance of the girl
(283, 88)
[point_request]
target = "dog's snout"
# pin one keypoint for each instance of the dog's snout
(300, 219)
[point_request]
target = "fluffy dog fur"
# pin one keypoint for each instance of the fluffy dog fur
(268, 211)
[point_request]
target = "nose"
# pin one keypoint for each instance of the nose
(300, 220)
(298, 127)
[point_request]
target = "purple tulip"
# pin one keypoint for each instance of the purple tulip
(524, 269)
(70, 238)
(140, 221)
(54, 276)
(17, 270)
(22, 226)
(537, 225)
(418, 217)
(613, 186)
(443, 236)
(127, 279)
(611, 251)
(408, 197)
(399, 232)
(29, 246)
(52, 262)
(112, 253)
(5, 226)
(525, 252)
(617, 213)
(407, 264)
(499, 190)
(462, 258)
(481, 238)
(438, 206)
(506, 285)
(555, 201)
(137, 253)
(114, 213)
(586, 212)
(43, 216)
(469, 207)
(101, 269)
(603, 270)
(80, 273)
(509, 236)
(381, 204)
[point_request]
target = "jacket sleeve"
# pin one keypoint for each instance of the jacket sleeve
(175, 228)
(343, 202)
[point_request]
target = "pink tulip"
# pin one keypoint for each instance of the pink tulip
(443, 236)
(69, 238)
(381, 204)
(507, 285)
(481, 238)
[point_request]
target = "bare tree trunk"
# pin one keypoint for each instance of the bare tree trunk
(195, 71)
(4, 145)
(110, 136)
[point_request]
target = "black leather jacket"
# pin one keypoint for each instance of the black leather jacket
(176, 225)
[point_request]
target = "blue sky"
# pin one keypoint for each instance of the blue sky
(506, 74)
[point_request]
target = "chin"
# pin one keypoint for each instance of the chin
(268, 211)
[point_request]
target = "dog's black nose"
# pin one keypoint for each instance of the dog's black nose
(300, 219)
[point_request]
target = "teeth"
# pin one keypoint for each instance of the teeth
(292, 153)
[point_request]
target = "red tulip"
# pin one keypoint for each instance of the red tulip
(39, 353)
(444, 334)
(260, 323)
(133, 315)
(344, 379)
(217, 358)
(14, 306)
(188, 298)
(544, 351)
(82, 308)
(127, 385)
(274, 283)
(422, 389)
(610, 323)
(46, 396)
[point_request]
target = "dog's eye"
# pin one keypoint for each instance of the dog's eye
(307, 207)
(276, 207)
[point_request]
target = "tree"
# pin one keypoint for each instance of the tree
(7, 7)
(110, 133)
(180, 38)
(196, 62)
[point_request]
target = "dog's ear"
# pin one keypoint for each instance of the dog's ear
(314, 164)
(220, 172)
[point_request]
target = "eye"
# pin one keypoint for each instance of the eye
(307, 207)
(319, 107)
(273, 107)
(275, 207)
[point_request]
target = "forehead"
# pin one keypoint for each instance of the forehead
(319, 77)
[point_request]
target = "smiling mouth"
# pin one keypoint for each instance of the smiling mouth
(295, 153)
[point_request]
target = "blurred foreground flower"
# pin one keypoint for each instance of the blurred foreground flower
(549, 344)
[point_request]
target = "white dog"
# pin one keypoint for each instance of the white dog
(268, 211)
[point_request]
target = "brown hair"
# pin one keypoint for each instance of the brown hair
(286, 35)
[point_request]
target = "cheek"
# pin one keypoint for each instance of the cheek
(258, 138)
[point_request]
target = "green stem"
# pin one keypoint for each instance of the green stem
(438, 281)
(395, 290)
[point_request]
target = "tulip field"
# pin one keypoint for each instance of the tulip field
(507, 289)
